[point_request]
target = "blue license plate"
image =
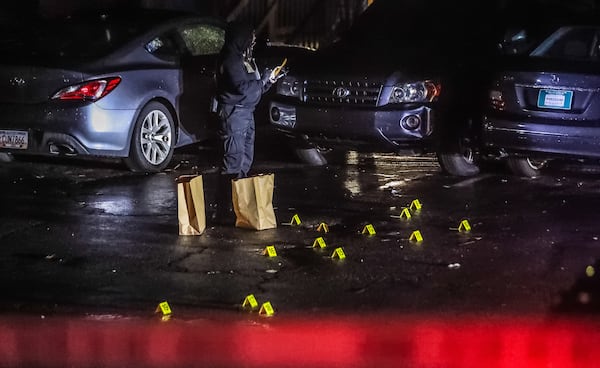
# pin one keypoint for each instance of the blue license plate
(555, 99)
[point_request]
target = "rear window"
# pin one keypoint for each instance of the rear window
(571, 43)
(71, 40)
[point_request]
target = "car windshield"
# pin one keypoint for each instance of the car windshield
(71, 40)
(418, 23)
(570, 43)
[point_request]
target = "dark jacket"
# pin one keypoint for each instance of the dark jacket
(238, 81)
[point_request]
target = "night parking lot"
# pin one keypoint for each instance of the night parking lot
(96, 242)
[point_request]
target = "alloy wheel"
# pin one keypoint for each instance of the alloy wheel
(155, 137)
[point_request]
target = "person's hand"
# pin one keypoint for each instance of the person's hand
(274, 77)
(266, 76)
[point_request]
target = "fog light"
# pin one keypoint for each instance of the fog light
(275, 114)
(411, 122)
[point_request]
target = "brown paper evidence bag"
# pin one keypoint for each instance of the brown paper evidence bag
(191, 212)
(253, 202)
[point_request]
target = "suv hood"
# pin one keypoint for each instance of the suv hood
(370, 63)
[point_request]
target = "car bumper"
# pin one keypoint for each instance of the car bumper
(72, 129)
(353, 126)
(539, 139)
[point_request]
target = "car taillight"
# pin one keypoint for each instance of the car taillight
(497, 100)
(88, 91)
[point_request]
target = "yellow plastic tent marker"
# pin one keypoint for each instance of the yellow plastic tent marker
(416, 236)
(295, 220)
(405, 214)
(266, 309)
(319, 242)
(250, 302)
(590, 271)
(338, 253)
(323, 227)
(416, 205)
(165, 309)
(369, 230)
(464, 226)
(270, 251)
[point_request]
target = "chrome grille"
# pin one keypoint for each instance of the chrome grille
(335, 92)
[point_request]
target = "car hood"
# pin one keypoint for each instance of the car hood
(386, 64)
(32, 84)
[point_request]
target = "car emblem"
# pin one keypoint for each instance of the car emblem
(554, 78)
(17, 81)
(341, 92)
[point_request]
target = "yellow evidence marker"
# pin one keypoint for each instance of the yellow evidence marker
(405, 214)
(295, 220)
(319, 242)
(464, 226)
(270, 251)
(369, 230)
(416, 236)
(250, 302)
(165, 309)
(338, 253)
(323, 227)
(416, 205)
(266, 310)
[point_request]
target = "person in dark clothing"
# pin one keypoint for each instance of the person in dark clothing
(240, 87)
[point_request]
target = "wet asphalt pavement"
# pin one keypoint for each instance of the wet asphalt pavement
(94, 239)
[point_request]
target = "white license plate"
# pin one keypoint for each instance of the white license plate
(14, 139)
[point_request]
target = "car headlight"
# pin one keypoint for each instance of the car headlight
(289, 86)
(425, 91)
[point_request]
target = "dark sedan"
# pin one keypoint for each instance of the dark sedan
(547, 105)
(132, 86)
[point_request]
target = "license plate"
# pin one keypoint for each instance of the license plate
(14, 139)
(555, 99)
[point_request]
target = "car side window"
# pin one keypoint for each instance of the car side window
(163, 46)
(202, 39)
(576, 43)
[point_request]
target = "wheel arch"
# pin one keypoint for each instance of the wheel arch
(168, 105)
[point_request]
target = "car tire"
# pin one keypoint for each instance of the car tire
(458, 158)
(311, 156)
(457, 164)
(524, 166)
(153, 140)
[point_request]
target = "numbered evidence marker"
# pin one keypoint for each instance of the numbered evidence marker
(270, 251)
(319, 242)
(266, 310)
(416, 205)
(416, 236)
(405, 214)
(464, 226)
(250, 302)
(369, 230)
(295, 220)
(323, 227)
(338, 253)
(165, 309)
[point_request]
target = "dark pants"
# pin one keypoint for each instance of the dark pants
(237, 137)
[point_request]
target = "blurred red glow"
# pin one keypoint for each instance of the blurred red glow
(369, 341)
